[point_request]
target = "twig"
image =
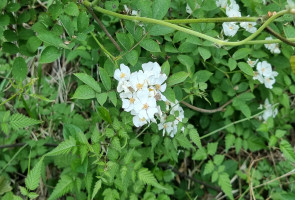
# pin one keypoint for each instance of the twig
(285, 40)
(103, 28)
(22, 144)
(189, 177)
(221, 108)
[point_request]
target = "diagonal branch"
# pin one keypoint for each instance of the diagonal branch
(285, 40)
(103, 28)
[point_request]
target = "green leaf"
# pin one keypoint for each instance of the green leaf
(217, 95)
(212, 148)
(247, 69)
(160, 8)
(82, 21)
(148, 178)
(33, 178)
(64, 185)
(205, 53)
(19, 69)
(150, 45)
(132, 57)
(104, 113)
(89, 80)
(169, 94)
(165, 68)
(218, 159)
(124, 40)
(177, 78)
(224, 183)
(101, 98)
(288, 150)
(203, 75)
(194, 136)
(105, 79)
(209, 168)
(71, 9)
(157, 30)
(84, 92)
(3, 3)
(33, 44)
(33, 195)
(229, 141)
(232, 64)
(68, 24)
(49, 55)
(113, 97)
(187, 61)
(183, 141)
(18, 121)
(9, 47)
(4, 185)
(51, 39)
(241, 53)
(96, 188)
(63, 148)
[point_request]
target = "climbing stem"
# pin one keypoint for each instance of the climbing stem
(213, 20)
(191, 32)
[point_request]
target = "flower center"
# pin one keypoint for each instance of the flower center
(142, 119)
(131, 100)
(122, 75)
(158, 86)
(145, 106)
(139, 86)
(165, 126)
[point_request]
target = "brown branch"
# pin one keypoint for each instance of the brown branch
(22, 144)
(221, 108)
(189, 177)
(285, 40)
(103, 28)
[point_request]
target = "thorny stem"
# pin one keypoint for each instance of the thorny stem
(212, 20)
(195, 33)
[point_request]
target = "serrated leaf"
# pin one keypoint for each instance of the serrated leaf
(71, 9)
(49, 55)
(64, 185)
(169, 94)
(177, 78)
(194, 136)
(19, 69)
(18, 121)
(241, 53)
(150, 45)
(165, 68)
(148, 178)
(84, 92)
(229, 141)
(33, 178)
(113, 97)
(160, 8)
(183, 141)
(63, 148)
(209, 168)
(205, 53)
(212, 148)
(51, 39)
(4, 185)
(101, 98)
(247, 69)
(105, 79)
(88, 80)
(203, 75)
(104, 113)
(224, 183)
(96, 188)
(288, 150)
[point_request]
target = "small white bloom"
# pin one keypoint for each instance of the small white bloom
(137, 121)
(127, 10)
(221, 3)
(264, 68)
(251, 62)
(123, 73)
(258, 76)
(230, 28)
(270, 80)
(249, 26)
(232, 12)
(273, 47)
(269, 111)
(129, 102)
(138, 80)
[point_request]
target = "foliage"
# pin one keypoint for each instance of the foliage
(64, 133)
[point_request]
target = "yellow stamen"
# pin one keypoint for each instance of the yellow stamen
(139, 86)
(142, 119)
(158, 86)
(122, 75)
(145, 106)
(131, 100)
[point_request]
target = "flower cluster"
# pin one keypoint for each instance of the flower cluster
(269, 111)
(140, 92)
(264, 73)
(274, 47)
(232, 10)
(171, 127)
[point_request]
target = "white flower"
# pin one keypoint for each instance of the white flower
(270, 80)
(232, 12)
(251, 62)
(249, 26)
(127, 10)
(230, 28)
(264, 68)
(269, 111)
(221, 3)
(146, 106)
(258, 76)
(129, 102)
(273, 47)
(138, 122)
(138, 80)
(123, 73)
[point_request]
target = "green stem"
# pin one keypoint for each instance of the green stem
(214, 20)
(233, 123)
(191, 32)
(16, 154)
(108, 54)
